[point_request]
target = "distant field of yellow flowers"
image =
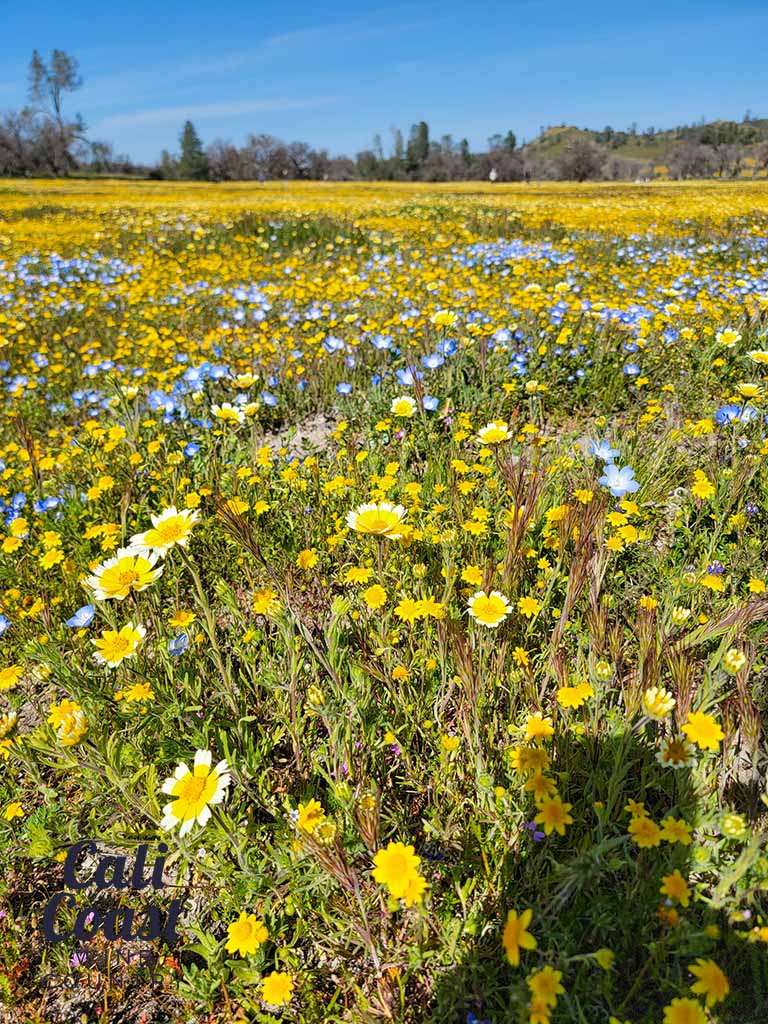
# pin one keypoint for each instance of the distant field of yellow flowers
(386, 565)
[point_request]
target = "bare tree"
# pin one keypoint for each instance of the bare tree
(581, 161)
(507, 164)
(264, 156)
(319, 164)
(299, 160)
(614, 169)
(102, 156)
(729, 158)
(691, 161)
(225, 161)
(17, 143)
(341, 168)
(48, 83)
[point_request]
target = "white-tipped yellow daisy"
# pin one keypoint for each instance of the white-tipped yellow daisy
(194, 792)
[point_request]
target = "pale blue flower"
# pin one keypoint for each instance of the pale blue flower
(83, 617)
(602, 450)
(619, 481)
(178, 645)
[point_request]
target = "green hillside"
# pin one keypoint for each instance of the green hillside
(656, 148)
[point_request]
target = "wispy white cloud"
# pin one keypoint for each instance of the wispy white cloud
(203, 111)
(297, 46)
(331, 36)
(107, 89)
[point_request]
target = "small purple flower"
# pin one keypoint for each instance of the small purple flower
(78, 959)
(715, 568)
(536, 834)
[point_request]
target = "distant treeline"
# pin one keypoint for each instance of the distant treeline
(41, 139)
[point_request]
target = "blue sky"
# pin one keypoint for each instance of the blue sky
(334, 74)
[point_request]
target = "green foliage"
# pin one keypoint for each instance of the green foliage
(193, 163)
(349, 725)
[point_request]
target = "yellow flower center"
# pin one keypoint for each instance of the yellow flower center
(676, 752)
(192, 787)
(170, 530)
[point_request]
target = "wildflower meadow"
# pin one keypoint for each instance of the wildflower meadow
(383, 603)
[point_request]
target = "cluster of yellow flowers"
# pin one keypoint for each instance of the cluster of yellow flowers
(404, 547)
(397, 868)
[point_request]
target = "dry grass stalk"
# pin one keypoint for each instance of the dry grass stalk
(525, 483)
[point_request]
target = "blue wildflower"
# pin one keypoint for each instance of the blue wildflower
(727, 414)
(83, 617)
(178, 645)
(619, 481)
(602, 450)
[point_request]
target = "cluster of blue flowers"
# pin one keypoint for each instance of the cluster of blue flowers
(496, 257)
